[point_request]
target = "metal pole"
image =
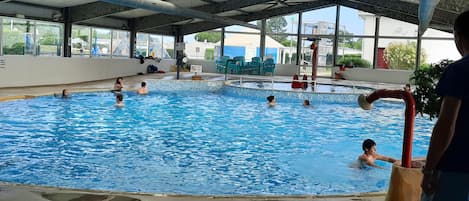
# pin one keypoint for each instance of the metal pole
(336, 36)
(298, 40)
(222, 42)
(179, 52)
(375, 49)
(262, 44)
(419, 49)
(67, 40)
(133, 38)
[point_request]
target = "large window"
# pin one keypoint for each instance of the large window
(120, 43)
(398, 54)
(437, 50)
(352, 52)
(81, 41)
(156, 46)
(17, 38)
(142, 45)
(242, 44)
(319, 22)
(101, 42)
(49, 39)
(168, 47)
(203, 45)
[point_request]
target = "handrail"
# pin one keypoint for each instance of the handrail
(247, 78)
(365, 103)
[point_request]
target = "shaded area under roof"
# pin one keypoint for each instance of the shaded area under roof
(111, 15)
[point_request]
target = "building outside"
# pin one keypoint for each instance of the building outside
(436, 44)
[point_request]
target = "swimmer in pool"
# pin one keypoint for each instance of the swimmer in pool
(119, 100)
(271, 101)
(370, 156)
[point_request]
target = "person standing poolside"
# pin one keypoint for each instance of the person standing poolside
(118, 85)
(119, 100)
(143, 89)
(446, 172)
(271, 101)
(370, 155)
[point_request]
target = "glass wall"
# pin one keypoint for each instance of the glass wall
(156, 46)
(319, 24)
(81, 41)
(281, 39)
(101, 42)
(120, 44)
(355, 46)
(203, 45)
(49, 39)
(243, 44)
(18, 38)
(168, 47)
(27, 37)
(142, 45)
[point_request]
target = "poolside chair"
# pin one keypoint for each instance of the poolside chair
(234, 65)
(269, 66)
(221, 64)
(253, 66)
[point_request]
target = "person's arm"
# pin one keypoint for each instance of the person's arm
(385, 158)
(443, 131)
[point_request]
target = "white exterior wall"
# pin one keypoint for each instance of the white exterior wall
(376, 75)
(19, 71)
(434, 49)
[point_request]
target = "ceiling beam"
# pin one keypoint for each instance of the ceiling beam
(160, 20)
(29, 11)
(313, 5)
(95, 10)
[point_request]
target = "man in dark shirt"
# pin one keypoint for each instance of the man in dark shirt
(446, 172)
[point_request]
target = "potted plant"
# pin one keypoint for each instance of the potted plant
(425, 80)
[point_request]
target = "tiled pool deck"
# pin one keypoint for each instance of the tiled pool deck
(16, 192)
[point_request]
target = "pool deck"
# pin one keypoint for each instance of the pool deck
(19, 192)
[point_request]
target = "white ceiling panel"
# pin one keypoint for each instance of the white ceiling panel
(230, 13)
(57, 3)
(187, 3)
(257, 7)
(135, 13)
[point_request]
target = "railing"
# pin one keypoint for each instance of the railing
(275, 79)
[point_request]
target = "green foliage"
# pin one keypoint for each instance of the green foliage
(15, 49)
(209, 54)
(354, 44)
(276, 25)
(354, 60)
(83, 37)
(49, 38)
(170, 52)
(11, 37)
(288, 43)
(402, 56)
(211, 37)
(425, 80)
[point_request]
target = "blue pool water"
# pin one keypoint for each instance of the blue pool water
(198, 143)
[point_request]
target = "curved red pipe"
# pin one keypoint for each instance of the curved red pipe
(409, 118)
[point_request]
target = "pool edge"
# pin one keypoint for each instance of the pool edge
(16, 191)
